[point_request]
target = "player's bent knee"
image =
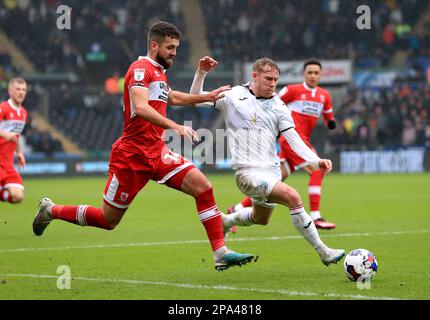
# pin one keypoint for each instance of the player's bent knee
(17, 198)
(262, 222)
(111, 217)
(195, 183)
(204, 186)
(111, 222)
(110, 227)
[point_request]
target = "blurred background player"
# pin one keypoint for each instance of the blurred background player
(140, 154)
(254, 117)
(12, 122)
(306, 101)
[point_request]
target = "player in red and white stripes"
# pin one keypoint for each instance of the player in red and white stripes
(140, 154)
(13, 117)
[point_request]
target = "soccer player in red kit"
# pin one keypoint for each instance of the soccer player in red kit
(307, 101)
(140, 154)
(12, 122)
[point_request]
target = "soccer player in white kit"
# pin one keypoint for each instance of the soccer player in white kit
(255, 117)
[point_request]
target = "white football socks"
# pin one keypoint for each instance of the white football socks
(315, 215)
(238, 207)
(304, 223)
(239, 218)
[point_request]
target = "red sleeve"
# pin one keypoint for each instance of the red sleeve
(139, 77)
(287, 94)
(328, 109)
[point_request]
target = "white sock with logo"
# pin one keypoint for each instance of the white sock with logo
(305, 225)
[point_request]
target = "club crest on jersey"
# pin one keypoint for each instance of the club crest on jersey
(303, 96)
(157, 74)
(322, 98)
(123, 197)
(267, 106)
(139, 74)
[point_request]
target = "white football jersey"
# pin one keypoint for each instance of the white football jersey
(253, 126)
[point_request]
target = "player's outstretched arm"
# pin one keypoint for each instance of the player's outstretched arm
(206, 65)
(177, 98)
(139, 98)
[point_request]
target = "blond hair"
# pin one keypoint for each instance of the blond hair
(16, 80)
(260, 64)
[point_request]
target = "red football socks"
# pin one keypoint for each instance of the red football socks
(211, 218)
(314, 190)
(81, 215)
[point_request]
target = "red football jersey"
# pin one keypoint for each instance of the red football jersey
(12, 119)
(306, 105)
(140, 136)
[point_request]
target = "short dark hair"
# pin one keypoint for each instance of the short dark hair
(312, 62)
(162, 29)
(263, 62)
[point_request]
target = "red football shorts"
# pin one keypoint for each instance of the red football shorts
(289, 159)
(129, 173)
(10, 178)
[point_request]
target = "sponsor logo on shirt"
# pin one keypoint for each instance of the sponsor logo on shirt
(158, 91)
(307, 107)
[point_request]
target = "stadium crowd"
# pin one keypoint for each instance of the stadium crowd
(398, 116)
(105, 38)
(101, 35)
(323, 28)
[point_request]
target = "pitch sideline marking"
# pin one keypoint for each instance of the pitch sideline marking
(207, 287)
(145, 244)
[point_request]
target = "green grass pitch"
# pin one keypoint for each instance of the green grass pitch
(160, 251)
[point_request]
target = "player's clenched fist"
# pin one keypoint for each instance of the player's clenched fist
(207, 64)
(325, 165)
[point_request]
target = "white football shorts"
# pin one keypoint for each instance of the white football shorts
(258, 183)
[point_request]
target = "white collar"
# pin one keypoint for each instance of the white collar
(13, 105)
(155, 63)
(313, 90)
